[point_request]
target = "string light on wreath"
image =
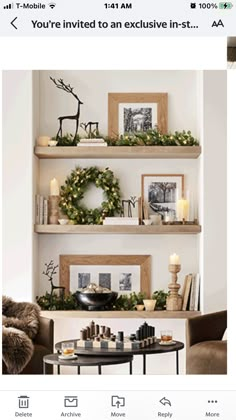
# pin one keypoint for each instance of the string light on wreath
(75, 188)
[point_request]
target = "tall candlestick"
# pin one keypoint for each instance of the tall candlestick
(54, 187)
(174, 259)
(174, 300)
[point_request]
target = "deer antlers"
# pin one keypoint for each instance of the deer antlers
(67, 88)
(50, 270)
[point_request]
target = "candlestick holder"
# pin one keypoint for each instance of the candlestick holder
(174, 300)
(53, 209)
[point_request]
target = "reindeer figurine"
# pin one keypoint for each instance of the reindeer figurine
(91, 132)
(131, 202)
(67, 88)
(49, 272)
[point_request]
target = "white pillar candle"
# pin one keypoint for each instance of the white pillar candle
(43, 141)
(182, 209)
(54, 187)
(174, 259)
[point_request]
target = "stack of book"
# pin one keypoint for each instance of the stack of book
(41, 210)
(121, 221)
(96, 142)
(191, 293)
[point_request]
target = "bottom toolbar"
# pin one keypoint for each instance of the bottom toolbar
(102, 405)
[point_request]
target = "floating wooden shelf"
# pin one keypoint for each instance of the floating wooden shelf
(120, 314)
(134, 230)
(119, 152)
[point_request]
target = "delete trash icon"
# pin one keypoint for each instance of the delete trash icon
(23, 401)
(71, 401)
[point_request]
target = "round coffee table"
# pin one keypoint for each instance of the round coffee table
(99, 361)
(145, 351)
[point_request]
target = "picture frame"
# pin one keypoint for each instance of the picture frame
(141, 262)
(125, 113)
(160, 192)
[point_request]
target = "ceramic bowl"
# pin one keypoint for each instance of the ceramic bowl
(96, 301)
(52, 143)
(147, 222)
(63, 221)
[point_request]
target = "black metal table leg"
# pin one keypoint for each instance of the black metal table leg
(130, 368)
(144, 364)
(177, 362)
(58, 369)
(44, 368)
(99, 369)
(78, 370)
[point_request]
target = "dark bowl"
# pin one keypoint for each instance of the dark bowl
(96, 301)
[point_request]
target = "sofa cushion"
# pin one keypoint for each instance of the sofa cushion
(207, 357)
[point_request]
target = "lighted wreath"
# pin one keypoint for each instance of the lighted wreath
(75, 187)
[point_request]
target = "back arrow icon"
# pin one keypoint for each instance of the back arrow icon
(12, 23)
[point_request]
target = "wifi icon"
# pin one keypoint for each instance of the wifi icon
(52, 5)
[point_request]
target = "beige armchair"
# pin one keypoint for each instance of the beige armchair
(43, 344)
(206, 352)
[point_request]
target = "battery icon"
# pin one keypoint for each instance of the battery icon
(226, 5)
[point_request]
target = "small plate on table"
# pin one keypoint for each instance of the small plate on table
(71, 357)
(167, 343)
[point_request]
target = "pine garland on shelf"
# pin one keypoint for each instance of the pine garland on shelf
(146, 138)
(75, 187)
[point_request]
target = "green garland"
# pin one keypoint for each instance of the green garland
(147, 138)
(122, 303)
(154, 138)
(75, 187)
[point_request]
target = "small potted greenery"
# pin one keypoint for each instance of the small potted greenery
(160, 297)
(139, 297)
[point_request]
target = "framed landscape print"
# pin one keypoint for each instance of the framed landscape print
(120, 273)
(136, 112)
(161, 192)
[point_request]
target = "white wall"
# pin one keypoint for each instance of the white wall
(92, 88)
(17, 185)
(214, 192)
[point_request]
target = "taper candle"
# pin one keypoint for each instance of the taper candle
(54, 187)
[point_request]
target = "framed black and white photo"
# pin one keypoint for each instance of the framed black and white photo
(136, 112)
(125, 282)
(134, 118)
(104, 280)
(160, 193)
(83, 280)
(123, 279)
(120, 273)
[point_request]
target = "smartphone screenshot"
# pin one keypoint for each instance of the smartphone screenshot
(118, 145)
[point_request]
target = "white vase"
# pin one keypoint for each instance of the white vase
(149, 304)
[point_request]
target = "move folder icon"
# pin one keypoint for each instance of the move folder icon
(71, 401)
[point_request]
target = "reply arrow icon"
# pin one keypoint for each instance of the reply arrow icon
(165, 401)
